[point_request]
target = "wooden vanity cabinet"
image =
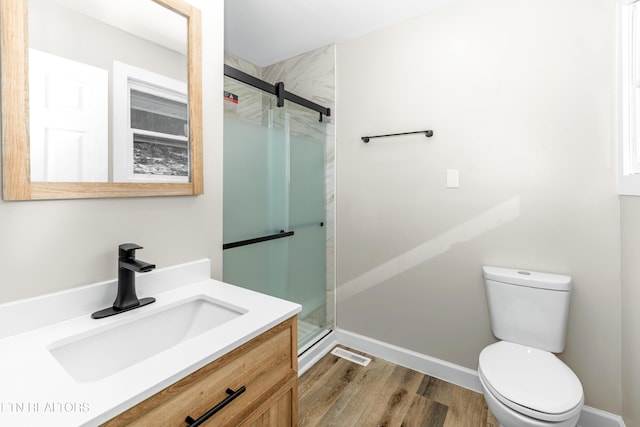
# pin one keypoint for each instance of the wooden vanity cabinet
(266, 366)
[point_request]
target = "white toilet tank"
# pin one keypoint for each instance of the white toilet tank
(528, 307)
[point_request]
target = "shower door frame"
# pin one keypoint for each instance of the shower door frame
(324, 116)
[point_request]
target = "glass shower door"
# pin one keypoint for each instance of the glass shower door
(307, 276)
(274, 200)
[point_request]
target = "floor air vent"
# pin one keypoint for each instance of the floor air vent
(351, 357)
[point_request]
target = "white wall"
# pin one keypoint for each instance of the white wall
(55, 29)
(47, 246)
(630, 218)
(519, 95)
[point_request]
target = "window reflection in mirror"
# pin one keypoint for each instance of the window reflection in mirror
(159, 127)
(150, 127)
(83, 126)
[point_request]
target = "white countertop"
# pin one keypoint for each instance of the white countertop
(36, 390)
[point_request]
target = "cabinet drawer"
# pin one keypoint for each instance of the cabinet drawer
(263, 366)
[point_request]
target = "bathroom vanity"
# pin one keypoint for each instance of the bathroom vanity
(253, 385)
(202, 344)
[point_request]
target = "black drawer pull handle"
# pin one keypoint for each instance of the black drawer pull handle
(232, 395)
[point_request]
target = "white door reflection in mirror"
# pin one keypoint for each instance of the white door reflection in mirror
(69, 120)
(150, 126)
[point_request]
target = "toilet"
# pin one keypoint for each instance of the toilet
(523, 381)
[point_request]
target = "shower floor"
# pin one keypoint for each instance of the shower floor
(308, 334)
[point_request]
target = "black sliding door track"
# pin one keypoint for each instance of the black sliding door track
(276, 90)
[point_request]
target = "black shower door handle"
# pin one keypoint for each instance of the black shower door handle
(279, 235)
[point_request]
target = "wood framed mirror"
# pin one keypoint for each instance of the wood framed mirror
(18, 182)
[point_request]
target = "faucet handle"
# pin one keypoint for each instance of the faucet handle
(128, 250)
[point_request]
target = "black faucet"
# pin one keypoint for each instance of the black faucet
(128, 265)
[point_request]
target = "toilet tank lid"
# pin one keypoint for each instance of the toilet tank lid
(532, 279)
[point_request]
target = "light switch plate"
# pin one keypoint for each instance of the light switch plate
(453, 180)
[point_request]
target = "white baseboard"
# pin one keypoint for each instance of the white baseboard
(310, 357)
(455, 374)
(592, 417)
(446, 371)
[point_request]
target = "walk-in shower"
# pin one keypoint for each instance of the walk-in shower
(275, 210)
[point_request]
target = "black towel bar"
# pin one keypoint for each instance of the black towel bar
(428, 133)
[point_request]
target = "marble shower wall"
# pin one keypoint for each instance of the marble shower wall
(311, 76)
(250, 105)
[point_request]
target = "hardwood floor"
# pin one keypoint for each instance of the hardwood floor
(337, 392)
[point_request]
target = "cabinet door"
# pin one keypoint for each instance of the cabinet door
(281, 410)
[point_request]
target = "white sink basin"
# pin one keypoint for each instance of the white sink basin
(96, 354)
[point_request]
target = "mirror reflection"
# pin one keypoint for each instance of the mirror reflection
(108, 95)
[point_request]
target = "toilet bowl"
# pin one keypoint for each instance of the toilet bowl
(524, 383)
(529, 387)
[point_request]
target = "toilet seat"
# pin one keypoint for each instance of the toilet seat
(530, 381)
